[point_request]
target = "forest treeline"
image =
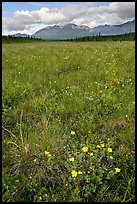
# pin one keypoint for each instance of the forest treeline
(13, 39)
(123, 37)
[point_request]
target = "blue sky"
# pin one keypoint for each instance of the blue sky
(8, 8)
(31, 16)
(13, 6)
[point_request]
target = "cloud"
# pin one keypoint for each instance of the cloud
(23, 19)
(83, 13)
(77, 11)
(123, 10)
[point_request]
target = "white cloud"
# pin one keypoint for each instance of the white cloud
(51, 16)
(83, 13)
(29, 30)
(123, 10)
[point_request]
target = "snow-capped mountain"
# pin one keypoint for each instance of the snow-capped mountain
(71, 31)
(115, 29)
(62, 32)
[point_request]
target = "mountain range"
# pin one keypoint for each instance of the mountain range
(21, 35)
(71, 31)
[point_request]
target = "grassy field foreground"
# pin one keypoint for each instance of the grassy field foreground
(68, 111)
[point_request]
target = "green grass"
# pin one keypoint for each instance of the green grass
(52, 88)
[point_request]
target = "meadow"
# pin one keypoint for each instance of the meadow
(68, 122)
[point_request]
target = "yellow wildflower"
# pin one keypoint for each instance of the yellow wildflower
(85, 149)
(72, 133)
(79, 172)
(109, 149)
(71, 159)
(91, 154)
(102, 145)
(91, 167)
(117, 169)
(74, 173)
(47, 153)
(98, 146)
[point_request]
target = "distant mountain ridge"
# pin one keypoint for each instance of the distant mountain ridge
(71, 31)
(21, 35)
(116, 29)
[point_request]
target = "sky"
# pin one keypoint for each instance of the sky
(29, 17)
